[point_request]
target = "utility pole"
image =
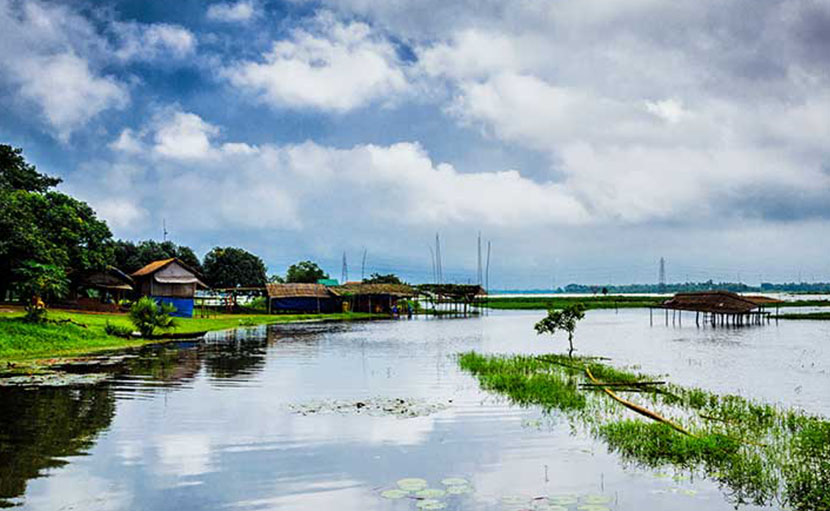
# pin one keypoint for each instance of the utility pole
(344, 274)
(164, 229)
(363, 267)
(487, 270)
(662, 287)
(479, 279)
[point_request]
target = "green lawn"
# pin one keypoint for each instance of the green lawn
(21, 341)
(806, 315)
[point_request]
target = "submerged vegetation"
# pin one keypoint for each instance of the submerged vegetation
(758, 453)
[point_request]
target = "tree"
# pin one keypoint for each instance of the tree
(130, 257)
(562, 319)
(305, 271)
(276, 279)
(39, 283)
(44, 226)
(377, 278)
(16, 174)
(147, 316)
(234, 267)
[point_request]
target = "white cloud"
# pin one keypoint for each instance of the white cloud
(232, 12)
(154, 41)
(42, 59)
(184, 136)
(334, 66)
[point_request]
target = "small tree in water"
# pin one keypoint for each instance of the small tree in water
(562, 319)
(147, 315)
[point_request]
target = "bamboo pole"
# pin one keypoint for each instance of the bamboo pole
(639, 409)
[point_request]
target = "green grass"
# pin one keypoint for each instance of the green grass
(24, 341)
(820, 316)
(559, 302)
(759, 454)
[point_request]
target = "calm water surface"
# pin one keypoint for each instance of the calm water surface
(208, 426)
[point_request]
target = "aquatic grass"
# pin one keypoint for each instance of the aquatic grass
(759, 453)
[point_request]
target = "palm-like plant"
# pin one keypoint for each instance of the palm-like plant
(562, 319)
(147, 315)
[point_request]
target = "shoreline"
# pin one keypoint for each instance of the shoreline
(26, 343)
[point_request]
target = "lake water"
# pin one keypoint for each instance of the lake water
(208, 426)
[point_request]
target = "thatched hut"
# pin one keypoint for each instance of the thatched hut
(718, 307)
(170, 281)
(374, 298)
(302, 298)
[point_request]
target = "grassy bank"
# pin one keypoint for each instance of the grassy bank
(21, 341)
(759, 454)
(806, 315)
(606, 302)
(559, 302)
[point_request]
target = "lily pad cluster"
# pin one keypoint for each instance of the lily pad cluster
(557, 503)
(426, 497)
(377, 406)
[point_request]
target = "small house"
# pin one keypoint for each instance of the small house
(169, 281)
(301, 298)
(102, 291)
(374, 298)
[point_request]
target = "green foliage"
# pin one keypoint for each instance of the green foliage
(305, 272)
(44, 226)
(276, 279)
(233, 267)
(117, 330)
(562, 319)
(526, 380)
(147, 316)
(40, 282)
(377, 278)
(758, 453)
(130, 257)
(16, 174)
(559, 302)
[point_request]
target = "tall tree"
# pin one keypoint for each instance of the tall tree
(562, 319)
(234, 267)
(305, 271)
(43, 226)
(377, 278)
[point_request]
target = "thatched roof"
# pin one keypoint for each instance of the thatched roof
(297, 291)
(359, 288)
(157, 266)
(110, 278)
(722, 302)
(763, 300)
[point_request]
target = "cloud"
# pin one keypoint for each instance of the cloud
(143, 42)
(330, 66)
(232, 12)
(44, 60)
(184, 136)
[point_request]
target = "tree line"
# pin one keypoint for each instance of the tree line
(50, 242)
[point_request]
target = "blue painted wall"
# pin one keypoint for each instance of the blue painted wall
(184, 306)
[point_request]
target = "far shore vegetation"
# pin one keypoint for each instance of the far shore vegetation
(76, 333)
(606, 302)
(758, 453)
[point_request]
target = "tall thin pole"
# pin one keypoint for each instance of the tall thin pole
(439, 272)
(478, 274)
(344, 274)
(363, 266)
(487, 270)
(432, 260)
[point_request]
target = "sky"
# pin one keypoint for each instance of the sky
(584, 139)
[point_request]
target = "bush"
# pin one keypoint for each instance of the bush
(118, 330)
(147, 316)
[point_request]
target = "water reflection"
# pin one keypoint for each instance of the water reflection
(40, 429)
(193, 426)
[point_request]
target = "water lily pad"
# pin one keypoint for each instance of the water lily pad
(454, 481)
(596, 499)
(593, 507)
(563, 500)
(430, 504)
(412, 484)
(459, 489)
(430, 493)
(394, 494)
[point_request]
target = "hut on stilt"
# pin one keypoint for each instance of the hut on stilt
(717, 308)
